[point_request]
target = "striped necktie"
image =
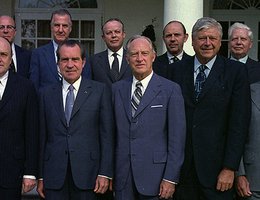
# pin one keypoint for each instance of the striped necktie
(136, 98)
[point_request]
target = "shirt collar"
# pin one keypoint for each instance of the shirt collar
(144, 81)
(178, 56)
(3, 79)
(119, 52)
(76, 84)
(208, 64)
(242, 60)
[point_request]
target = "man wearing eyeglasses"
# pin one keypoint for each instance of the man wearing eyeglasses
(20, 57)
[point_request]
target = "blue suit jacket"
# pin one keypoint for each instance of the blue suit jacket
(100, 68)
(218, 123)
(43, 67)
(18, 131)
(23, 58)
(151, 142)
(88, 141)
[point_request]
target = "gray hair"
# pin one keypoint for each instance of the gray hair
(205, 23)
(137, 37)
(238, 25)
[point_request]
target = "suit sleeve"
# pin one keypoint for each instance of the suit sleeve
(239, 117)
(106, 135)
(176, 135)
(31, 132)
(34, 73)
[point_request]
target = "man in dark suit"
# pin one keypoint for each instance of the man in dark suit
(21, 57)
(217, 104)
(43, 68)
(18, 130)
(102, 63)
(76, 132)
(150, 128)
(248, 175)
(174, 37)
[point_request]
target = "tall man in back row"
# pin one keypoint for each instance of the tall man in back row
(44, 70)
(217, 104)
(174, 37)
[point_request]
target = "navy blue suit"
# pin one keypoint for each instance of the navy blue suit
(23, 58)
(150, 145)
(18, 132)
(161, 64)
(86, 145)
(253, 68)
(43, 67)
(100, 68)
(217, 124)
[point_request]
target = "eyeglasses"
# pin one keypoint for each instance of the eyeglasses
(8, 27)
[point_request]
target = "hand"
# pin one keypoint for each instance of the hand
(166, 189)
(242, 186)
(225, 180)
(102, 184)
(28, 185)
(40, 188)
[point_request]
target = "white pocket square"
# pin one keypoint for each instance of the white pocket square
(157, 106)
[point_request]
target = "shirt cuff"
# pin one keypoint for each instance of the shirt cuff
(172, 182)
(105, 177)
(29, 176)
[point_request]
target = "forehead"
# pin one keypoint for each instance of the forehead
(4, 46)
(4, 20)
(240, 32)
(139, 44)
(66, 51)
(112, 25)
(61, 18)
(174, 26)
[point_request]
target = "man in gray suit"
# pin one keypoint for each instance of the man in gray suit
(248, 175)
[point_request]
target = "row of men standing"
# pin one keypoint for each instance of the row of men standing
(218, 110)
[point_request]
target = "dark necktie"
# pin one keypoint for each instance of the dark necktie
(115, 67)
(200, 80)
(69, 103)
(136, 98)
(175, 59)
(12, 67)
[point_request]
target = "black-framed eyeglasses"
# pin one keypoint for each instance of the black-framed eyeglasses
(8, 27)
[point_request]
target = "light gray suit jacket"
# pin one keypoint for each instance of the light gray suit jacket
(250, 163)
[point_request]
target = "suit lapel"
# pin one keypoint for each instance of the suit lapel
(52, 65)
(255, 94)
(9, 89)
(124, 66)
(85, 90)
(57, 99)
(104, 64)
(215, 72)
(125, 93)
(151, 92)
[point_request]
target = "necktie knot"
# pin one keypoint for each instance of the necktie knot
(71, 88)
(202, 68)
(114, 55)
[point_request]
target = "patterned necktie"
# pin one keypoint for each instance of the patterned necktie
(136, 98)
(115, 67)
(69, 103)
(175, 59)
(200, 80)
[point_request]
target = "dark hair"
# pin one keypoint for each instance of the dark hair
(175, 21)
(61, 12)
(113, 19)
(72, 43)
